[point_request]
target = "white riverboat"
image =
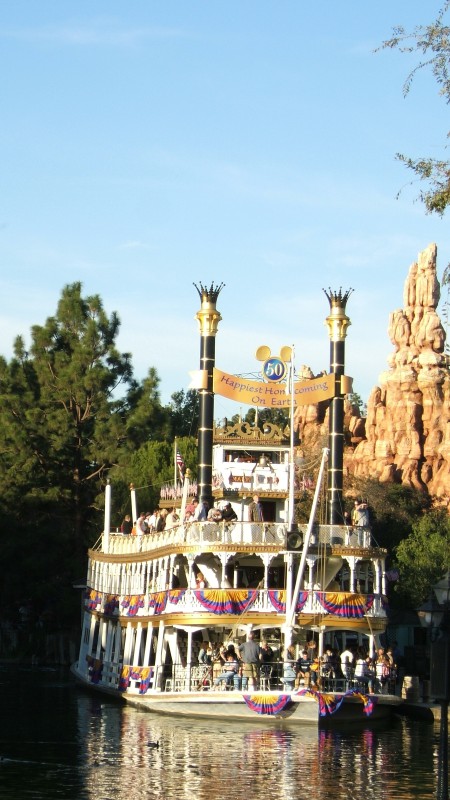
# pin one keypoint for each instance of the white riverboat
(154, 600)
(146, 618)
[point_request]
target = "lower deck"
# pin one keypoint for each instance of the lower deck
(303, 706)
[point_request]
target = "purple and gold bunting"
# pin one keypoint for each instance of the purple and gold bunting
(328, 703)
(111, 604)
(345, 604)
(277, 598)
(93, 599)
(95, 669)
(175, 595)
(124, 680)
(369, 701)
(266, 703)
(226, 601)
(158, 601)
(302, 597)
(142, 674)
(132, 603)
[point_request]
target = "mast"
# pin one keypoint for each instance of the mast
(290, 387)
(208, 318)
(337, 323)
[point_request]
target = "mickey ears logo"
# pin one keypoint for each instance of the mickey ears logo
(275, 369)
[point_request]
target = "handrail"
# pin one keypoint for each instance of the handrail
(160, 603)
(208, 534)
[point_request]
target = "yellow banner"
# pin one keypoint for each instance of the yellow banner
(267, 395)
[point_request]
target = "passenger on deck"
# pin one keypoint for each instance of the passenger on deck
(330, 664)
(127, 525)
(311, 649)
(302, 669)
(266, 654)
(172, 518)
(214, 515)
(382, 670)
(189, 512)
(361, 514)
(250, 654)
(141, 525)
(204, 655)
(161, 521)
(363, 673)
(201, 512)
(347, 658)
(288, 679)
(228, 513)
(200, 581)
(255, 513)
(230, 671)
(152, 520)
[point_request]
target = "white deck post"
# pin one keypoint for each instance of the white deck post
(158, 659)
(189, 660)
(148, 644)
(133, 504)
(128, 644)
(137, 644)
(107, 528)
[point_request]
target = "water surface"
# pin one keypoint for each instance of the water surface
(58, 741)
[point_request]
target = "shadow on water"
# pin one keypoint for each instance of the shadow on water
(59, 742)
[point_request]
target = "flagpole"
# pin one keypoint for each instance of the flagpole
(290, 388)
(175, 466)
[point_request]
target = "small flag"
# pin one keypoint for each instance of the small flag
(392, 575)
(199, 379)
(180, 463)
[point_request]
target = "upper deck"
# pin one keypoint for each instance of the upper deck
(235, 537)
(249, 459)
(245, 566)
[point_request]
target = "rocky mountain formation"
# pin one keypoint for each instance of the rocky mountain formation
(406, 434)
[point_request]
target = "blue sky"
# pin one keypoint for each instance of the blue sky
(148, 145)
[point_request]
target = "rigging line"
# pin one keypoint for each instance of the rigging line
(167, 482)
(322, 547)
(232, 633)
(151, 486)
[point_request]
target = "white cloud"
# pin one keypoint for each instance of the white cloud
(100, 31)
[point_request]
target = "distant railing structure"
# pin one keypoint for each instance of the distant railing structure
(224, 601)
(235, 535)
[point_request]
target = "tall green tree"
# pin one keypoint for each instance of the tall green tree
(432, 43)
(149, 468)
(424, 556)
(145, 418)
(60, 427)
(184, 409)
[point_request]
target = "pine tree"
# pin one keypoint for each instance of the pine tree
(61, 430)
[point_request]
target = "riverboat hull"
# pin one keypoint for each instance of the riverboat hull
(320, 709)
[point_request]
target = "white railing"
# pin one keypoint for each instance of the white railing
(207, 534)
(191, 601)
(252, 477)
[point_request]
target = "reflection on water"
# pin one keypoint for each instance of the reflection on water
(57, 741)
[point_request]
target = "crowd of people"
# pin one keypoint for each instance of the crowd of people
(356, 667)
(161, 518)
(247, 665)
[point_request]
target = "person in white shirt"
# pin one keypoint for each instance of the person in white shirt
(172, 519)
(347, 659)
